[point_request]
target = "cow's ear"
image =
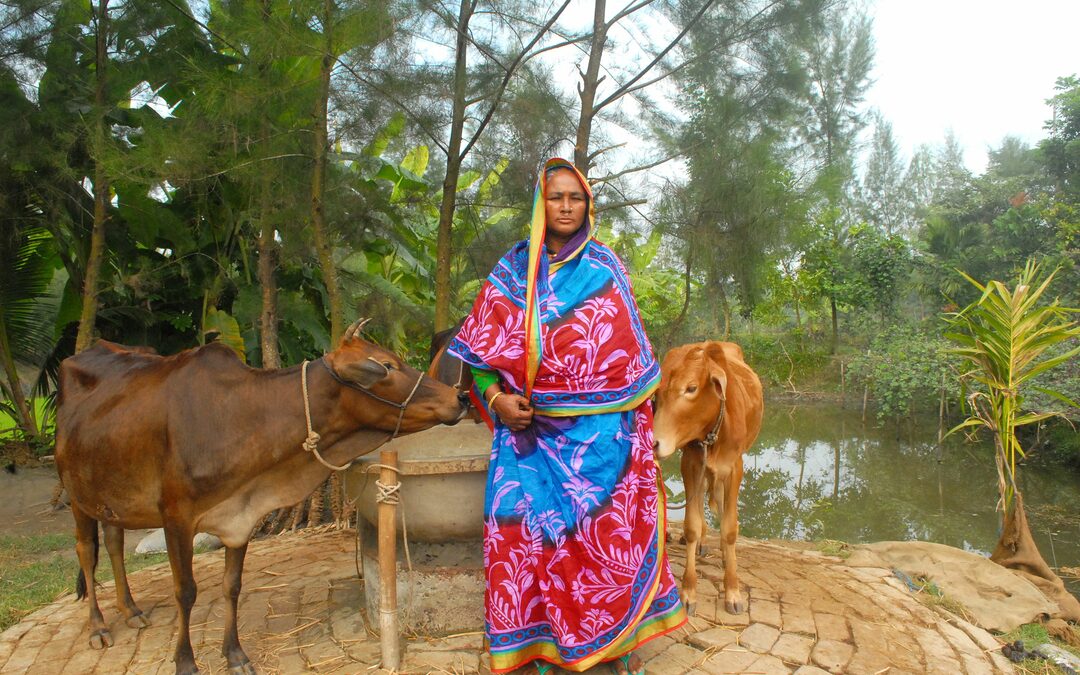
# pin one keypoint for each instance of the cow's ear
(715, 360)
(364, 372)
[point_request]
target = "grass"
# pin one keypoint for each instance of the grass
(1033, 635)
(838, 549)
(36, 570)
(931, 595)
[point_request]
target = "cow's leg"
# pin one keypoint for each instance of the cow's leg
(86, 547)
(693, 473)
(239, 664)
(729, 533)
(178, 540)
(114, 542)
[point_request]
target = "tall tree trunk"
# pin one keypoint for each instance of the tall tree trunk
(444, 244)
(587, 89)
(267, 247)
(26, 419)
(833, 339)
(323, 248)
(88, 316)
(268, 318)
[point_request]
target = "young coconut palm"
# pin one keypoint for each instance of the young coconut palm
(1003, 338)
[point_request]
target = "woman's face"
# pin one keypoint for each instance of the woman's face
(566, 203)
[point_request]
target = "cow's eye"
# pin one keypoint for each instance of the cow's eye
(388, 365)
(691, 389)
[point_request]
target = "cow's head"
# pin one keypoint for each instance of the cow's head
(688, 400)
(378, 381)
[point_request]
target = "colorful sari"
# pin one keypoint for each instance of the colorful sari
(574, 513)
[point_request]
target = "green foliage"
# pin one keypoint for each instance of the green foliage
(904, 369)
(1004, 338)
(777, 358)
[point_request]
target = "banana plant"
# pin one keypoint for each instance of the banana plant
(28, 307)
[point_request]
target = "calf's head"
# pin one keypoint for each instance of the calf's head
(688, 400)
(380, 383)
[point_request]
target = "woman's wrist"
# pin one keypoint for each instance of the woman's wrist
(497, 394)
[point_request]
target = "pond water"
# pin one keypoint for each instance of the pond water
(818, 472)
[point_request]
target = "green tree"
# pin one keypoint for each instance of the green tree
(881, 195)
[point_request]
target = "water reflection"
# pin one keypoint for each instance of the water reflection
(817, 472)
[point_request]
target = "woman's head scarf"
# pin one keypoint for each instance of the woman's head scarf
(537, 249)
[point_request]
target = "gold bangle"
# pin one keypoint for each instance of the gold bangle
(491, 401)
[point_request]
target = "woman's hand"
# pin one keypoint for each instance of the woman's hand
(512, 410)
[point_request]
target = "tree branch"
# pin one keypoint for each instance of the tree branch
(618, 93)
(646, 167)
(522, 57)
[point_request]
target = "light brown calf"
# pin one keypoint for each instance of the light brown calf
(709, 404)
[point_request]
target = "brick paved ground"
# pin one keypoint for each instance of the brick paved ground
(301, 612)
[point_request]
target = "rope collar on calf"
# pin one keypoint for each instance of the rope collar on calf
(311, 443)
(711, 437)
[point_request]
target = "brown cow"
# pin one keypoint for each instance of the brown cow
(199, 442)
(709, 404)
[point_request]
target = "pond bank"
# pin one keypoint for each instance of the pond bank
(302, 611)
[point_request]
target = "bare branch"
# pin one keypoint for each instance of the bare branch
(627, 11)
(597, 153)
(523, 56)
(618, 205)
(645, 167)
(618, 93)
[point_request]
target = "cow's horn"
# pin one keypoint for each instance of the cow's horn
(356, 327)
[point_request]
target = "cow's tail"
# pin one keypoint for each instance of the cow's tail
(80, 580)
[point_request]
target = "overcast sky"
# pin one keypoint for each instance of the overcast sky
(983, 68)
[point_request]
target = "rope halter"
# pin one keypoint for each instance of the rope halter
(311, 443)
(711, 437)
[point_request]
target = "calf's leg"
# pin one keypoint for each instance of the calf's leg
(693, 473)
(239, 664)
(729, 533)
(86, 547)
(178, 541)
(114, 542)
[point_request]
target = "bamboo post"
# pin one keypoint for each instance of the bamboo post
(388, 619)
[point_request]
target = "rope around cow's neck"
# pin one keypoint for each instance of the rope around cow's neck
(311, 443)
(710, 439)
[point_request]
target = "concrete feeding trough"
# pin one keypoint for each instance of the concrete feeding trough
(443, 472)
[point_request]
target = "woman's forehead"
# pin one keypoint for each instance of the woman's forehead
(564, 180)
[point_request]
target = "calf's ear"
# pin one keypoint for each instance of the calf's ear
(715, 362)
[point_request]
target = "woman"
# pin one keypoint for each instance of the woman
(574, 514)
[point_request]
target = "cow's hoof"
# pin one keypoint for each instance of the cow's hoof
(187, 670)
(245, 668)
(735, 605)
(690, 607)
(100, 639)
(137, 621)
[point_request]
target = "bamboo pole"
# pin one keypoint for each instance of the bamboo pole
(388, 499)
